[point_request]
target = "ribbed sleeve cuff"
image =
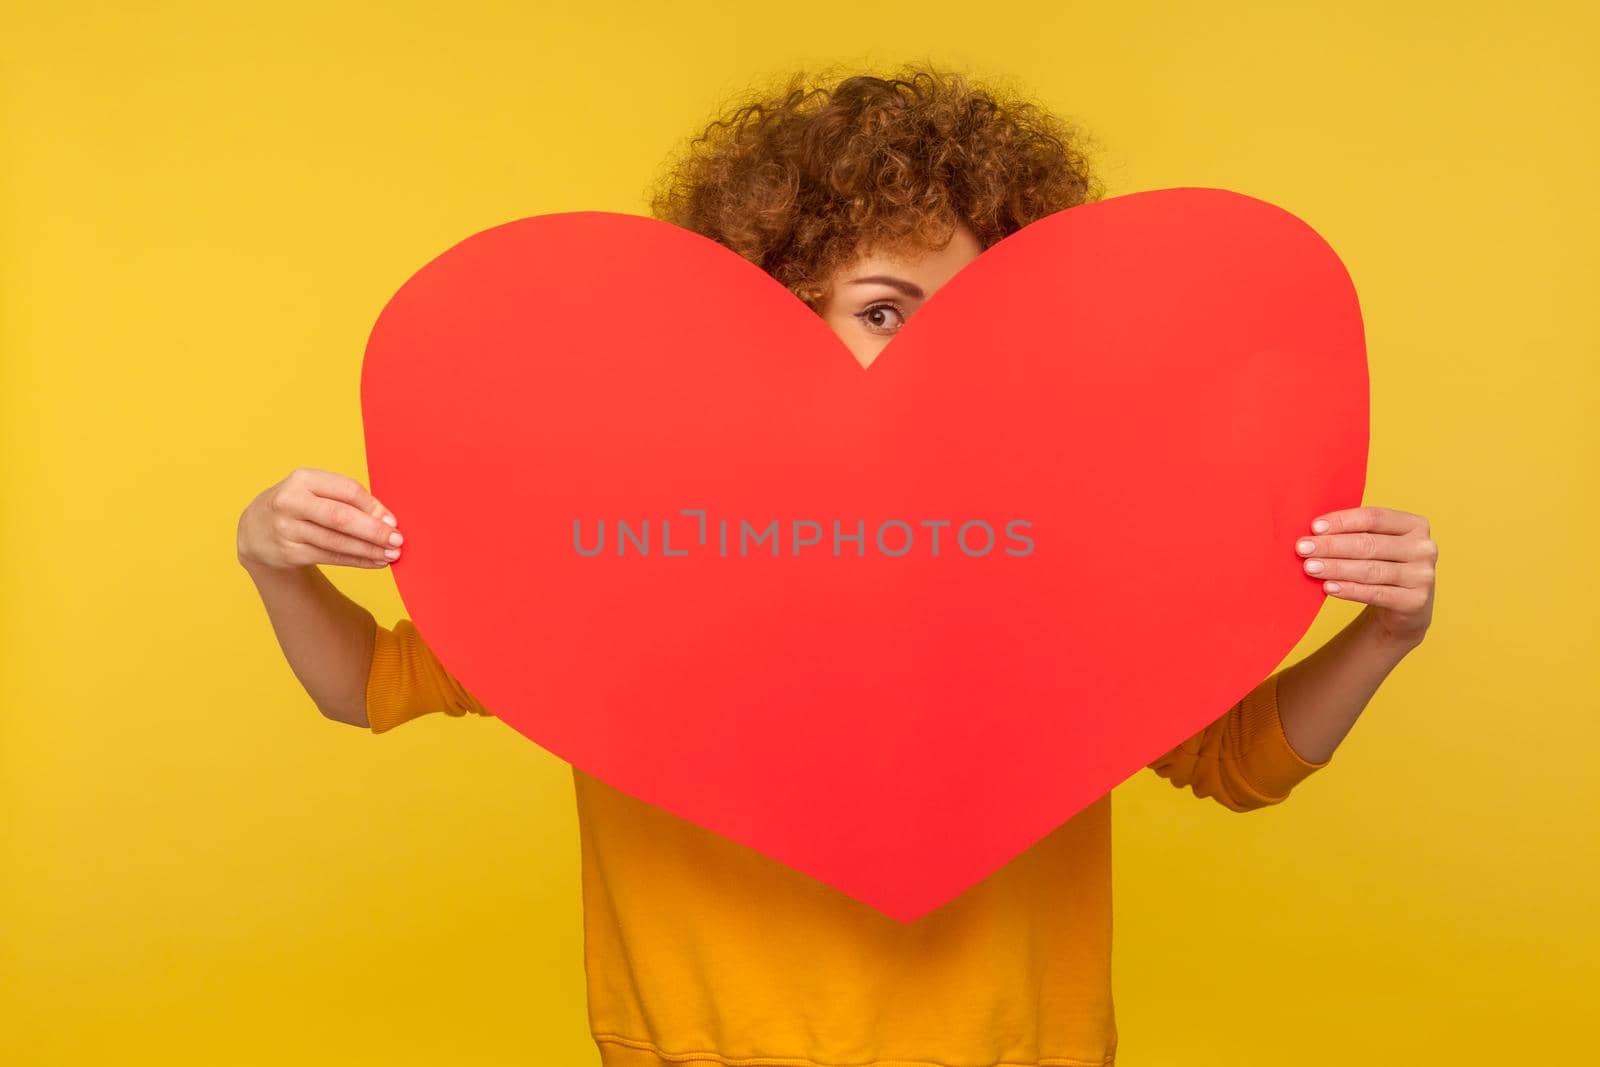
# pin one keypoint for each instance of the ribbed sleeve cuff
(1270, 763)
(385, 683)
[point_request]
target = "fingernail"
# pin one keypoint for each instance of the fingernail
(395, 539)
(392, 553)
(388, 518)
(1320, 526)
(1306, 546)
(1313, 566)
(1332, 587)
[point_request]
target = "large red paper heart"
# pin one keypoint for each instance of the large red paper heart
(1124, 414)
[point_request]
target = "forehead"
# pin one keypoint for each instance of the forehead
(915, 261)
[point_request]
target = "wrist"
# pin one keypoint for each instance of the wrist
(1395, 645)
(252, 564)
(260, 570)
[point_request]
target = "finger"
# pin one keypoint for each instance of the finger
(356, 561)
(1370, 520)
(1383, 596)
(309, 503)
(1371, 572)
(309, 533)
(344, 488)
(1360, 546)
(303, 554)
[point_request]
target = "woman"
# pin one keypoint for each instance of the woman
(863, 199)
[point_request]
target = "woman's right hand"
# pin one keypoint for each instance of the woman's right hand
(315, 516)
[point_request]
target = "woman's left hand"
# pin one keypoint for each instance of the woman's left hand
(1380, 557)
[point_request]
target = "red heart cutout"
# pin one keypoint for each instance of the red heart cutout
(1165, 387)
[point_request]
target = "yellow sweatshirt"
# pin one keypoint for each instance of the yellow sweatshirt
(698, 950)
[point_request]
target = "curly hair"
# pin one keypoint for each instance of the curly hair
(801, 180)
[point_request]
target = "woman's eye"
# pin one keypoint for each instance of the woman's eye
(882, 318)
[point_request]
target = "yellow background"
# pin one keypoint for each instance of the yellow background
(203, 211)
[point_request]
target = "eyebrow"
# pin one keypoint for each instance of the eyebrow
(913, 291)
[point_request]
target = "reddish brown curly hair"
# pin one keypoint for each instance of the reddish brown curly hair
(801, 179)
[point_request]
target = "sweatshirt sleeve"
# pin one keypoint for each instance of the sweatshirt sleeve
(406, 680)
(1242, 760)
